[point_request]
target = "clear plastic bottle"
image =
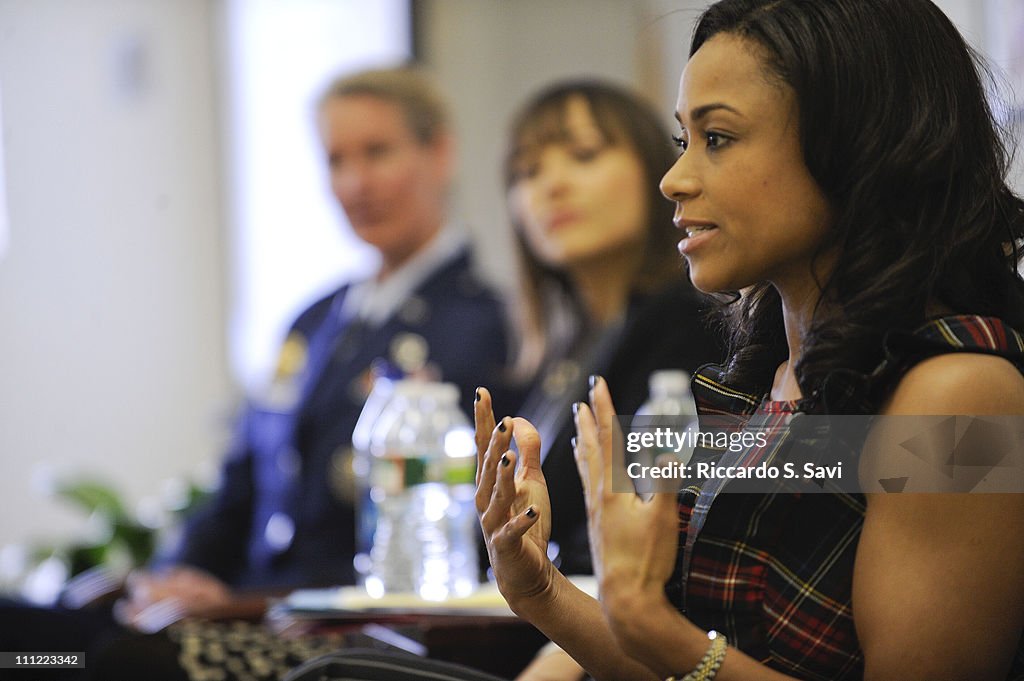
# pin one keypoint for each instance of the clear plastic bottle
(366, 517)
(669, 408)
(422, 468)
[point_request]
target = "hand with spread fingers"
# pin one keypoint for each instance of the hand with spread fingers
(512, 502)
(633, 542)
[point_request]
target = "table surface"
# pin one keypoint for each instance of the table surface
(500, 645)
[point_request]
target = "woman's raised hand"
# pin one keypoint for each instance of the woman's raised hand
(512, 502)
(633, 542)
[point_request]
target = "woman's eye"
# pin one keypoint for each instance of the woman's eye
(715, 140)
(378, 151)
(525, 171)
(679, 142)
(585, 154)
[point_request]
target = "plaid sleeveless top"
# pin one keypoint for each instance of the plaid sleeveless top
(774, 572)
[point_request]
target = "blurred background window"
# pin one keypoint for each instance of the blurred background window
(288, 240)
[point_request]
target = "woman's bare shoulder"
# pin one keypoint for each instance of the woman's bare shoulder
(959, 383)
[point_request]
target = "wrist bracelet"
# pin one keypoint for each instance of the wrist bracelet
(709, 665)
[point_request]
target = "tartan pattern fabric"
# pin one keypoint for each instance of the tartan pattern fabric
(774, 572)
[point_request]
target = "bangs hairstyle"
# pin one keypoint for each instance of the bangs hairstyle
(408, 88)
(623, 120)
(896, 130)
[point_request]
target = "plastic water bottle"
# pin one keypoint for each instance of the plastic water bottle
(421, 483)
(669, 408)
(366, 514)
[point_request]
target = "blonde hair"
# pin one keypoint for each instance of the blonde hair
(409, 88)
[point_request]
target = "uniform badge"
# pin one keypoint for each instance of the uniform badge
(409, 352)
(283, 392)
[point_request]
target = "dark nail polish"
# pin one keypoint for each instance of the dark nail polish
(501, 426)
(530, 512)
(593, 380)
(505, 460)
(477, 395)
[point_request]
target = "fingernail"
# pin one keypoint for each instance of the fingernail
(594, 378)
(572, 441)
(477, 395)
(575, 408)
(505, 460)
(530, 512)
(501, 426)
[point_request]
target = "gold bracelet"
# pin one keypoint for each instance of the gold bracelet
(709, 665)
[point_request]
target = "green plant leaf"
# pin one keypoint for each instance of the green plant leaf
(93, 496)
(138, 539)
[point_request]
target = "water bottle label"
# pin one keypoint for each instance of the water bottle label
(394, 474)
(461, 471)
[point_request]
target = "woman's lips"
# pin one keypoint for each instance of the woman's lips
(559, 221)
(697, 233)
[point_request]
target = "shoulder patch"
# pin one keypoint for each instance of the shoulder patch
(292, 358)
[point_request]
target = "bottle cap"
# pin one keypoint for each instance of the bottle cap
(669, 382)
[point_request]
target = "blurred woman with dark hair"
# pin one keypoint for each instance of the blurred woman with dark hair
(602, 290)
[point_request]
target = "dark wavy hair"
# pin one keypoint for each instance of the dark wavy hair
(623, 119)
(896, 130)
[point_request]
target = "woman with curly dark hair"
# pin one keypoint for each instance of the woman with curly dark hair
(841, 182)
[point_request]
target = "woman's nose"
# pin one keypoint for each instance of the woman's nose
(680, 182)
(552, 174)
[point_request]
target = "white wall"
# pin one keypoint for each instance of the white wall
(112, 354)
